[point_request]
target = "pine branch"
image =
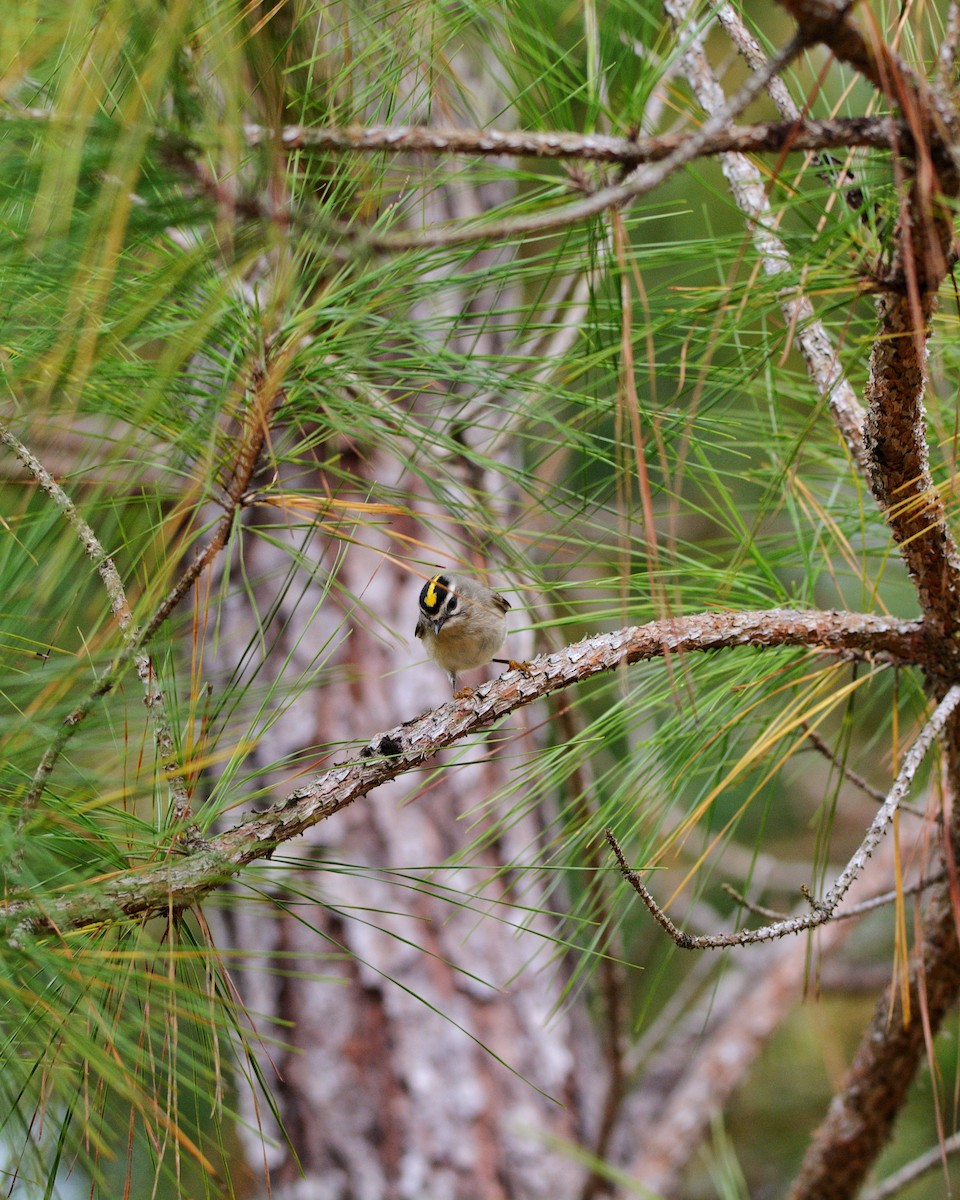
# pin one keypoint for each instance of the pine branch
(184, 880)
(640, 181)
(788, 136)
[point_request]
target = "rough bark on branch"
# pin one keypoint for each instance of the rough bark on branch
(772, 136)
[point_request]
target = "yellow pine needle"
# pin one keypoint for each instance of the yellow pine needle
(765, 698)
(768, 775)
(901, 949)
(317, 504)
(811, 505)
(798, 715)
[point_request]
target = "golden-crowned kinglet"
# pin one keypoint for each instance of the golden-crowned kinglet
(461, 623)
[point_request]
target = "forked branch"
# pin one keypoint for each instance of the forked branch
(821, 911)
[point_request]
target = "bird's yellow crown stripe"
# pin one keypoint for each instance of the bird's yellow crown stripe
(430, 599)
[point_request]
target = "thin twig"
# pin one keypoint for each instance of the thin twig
(857, 779)
(855, 910)
(88, 539)
(163, 737)
(891, 897)
(921, 1165)
(768, 914)
(823, 910)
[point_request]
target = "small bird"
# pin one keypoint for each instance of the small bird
(461, 623)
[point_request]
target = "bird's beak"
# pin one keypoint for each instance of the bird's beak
(438, 625)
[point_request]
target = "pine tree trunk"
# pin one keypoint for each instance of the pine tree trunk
(429, 1054)
(431, 1051)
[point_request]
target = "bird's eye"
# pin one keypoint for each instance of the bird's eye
(451, 606)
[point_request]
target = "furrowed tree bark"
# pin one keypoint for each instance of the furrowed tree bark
(405, 1001)
(430, 1053)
